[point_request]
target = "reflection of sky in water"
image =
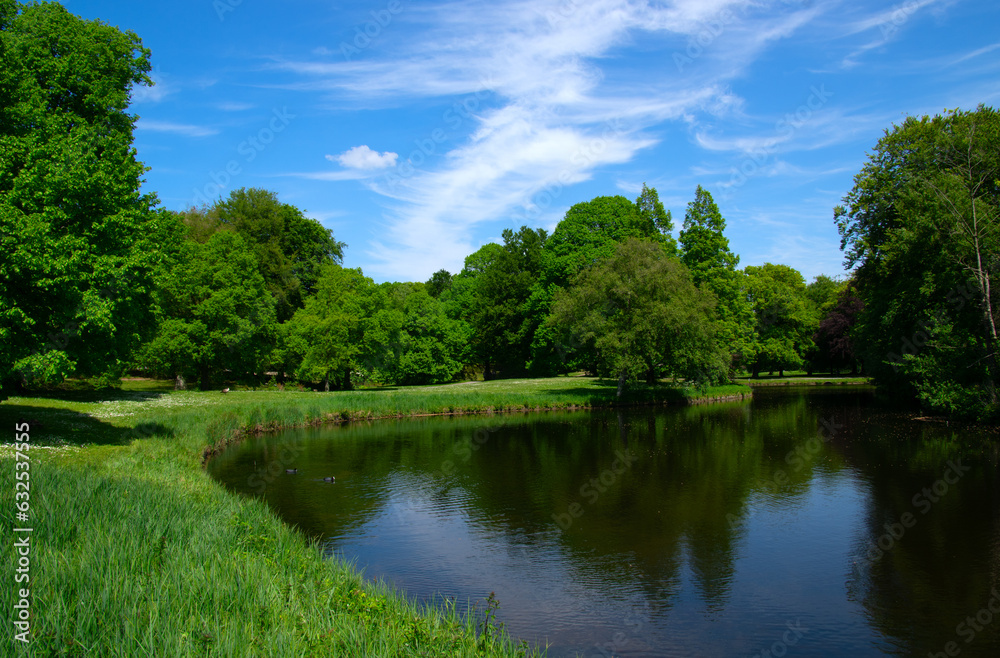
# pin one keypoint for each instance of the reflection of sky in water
(792, 556)
(696, 551)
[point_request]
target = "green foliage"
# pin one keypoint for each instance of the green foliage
(417, 343)
(921, 226)
(642, 314)
(591, 231)
(785, 317)
(74, 261)
(499, 312)
(216, 313)
(291, 249)
(705, 251)
(325, 338)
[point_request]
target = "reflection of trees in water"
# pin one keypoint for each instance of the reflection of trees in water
(686, 500)
(926, 558)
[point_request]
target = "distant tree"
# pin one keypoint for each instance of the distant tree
(824, 292)
(591, 232)
(215, 314)
(833, 339)
(439, 282)
(417, 342)
(640, 310)
(651, 209)
(291, 249)
(326, 338)
(705, 251)
(502, 324)
(76, 250)
(785, 319)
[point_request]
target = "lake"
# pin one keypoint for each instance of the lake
(810, 521)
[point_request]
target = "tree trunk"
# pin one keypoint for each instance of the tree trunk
(205, 378)
(651, 375)
(326, 382)
(179, 383)
(621, 382)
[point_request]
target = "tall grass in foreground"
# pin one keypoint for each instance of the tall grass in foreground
(136, 551)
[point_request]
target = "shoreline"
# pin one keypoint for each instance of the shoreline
(128, 515)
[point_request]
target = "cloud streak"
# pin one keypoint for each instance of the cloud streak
(558, 105)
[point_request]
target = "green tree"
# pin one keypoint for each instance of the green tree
(651, 210)
(500, 314)
(215, 314)
(326, 338)
(419, 343)
(439, 282)
(76, 255)
(641, 311)
(291, 249)
(785, 319)
(920, 227)
(705, 251)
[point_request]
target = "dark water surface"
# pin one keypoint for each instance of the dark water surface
(809, 522)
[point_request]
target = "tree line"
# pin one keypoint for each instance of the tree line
(98, 279)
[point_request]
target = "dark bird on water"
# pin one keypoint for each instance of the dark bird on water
(329, 478)
(291, 471)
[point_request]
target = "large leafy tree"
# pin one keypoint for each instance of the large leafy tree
(590, 232)
(705, 251)
(784, 317)
(920, 227)
(217, 319)
(291, 249)
(76, 234)
(501, 317)
(325, 339)
(413, 341)
(640, 310)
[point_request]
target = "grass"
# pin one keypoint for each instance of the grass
(802, 378)
(137, 551)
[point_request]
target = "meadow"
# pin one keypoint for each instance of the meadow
(135, 550)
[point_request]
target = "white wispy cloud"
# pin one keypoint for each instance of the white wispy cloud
(152, 94)
(188, 130)
(363, 157)
(553, 104)
(889, 22)
(234, 106)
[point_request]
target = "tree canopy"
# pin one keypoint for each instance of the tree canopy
(75, 255)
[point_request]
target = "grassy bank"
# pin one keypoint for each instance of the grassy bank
(136, 551)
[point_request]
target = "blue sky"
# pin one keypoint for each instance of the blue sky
(418, 131)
